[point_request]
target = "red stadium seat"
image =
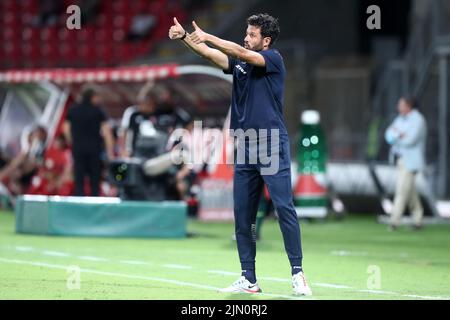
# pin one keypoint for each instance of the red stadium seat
(31, 50)
(122, 7)
(11, 21)
(118, 36)
(50, 56)
(104, 54)
(25, 44)
(140, 6)
(29, 6)
(104, 35)
(10, 5)
(11, 35)
(13, 54)
(30, 34)
(69, 55)
(123, 53)
(156, 7)
(87, 55)
(49, 34)
(66, 35)
(85, 34)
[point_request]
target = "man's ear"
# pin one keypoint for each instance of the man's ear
(266, 41)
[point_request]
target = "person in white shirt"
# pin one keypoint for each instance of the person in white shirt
(407, 136)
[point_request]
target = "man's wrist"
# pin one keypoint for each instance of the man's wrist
(184, 36)
(208, 37)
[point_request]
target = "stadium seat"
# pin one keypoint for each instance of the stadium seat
(31, 45)
(69, 55)
(29, 6)
(49, 34)
(104, 35)
(66, 35)
(87, 55)
(50, 55)
(85, 34)
(121, 7)
(105, 55)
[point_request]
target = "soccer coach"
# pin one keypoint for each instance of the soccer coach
(257, 101)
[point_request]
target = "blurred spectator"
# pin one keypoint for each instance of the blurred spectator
(86, 127)
(169, 115)
(141, 26)
(137, 121)
(407, 136)
(155, 111)
(17, 174)
(49, 11)
(188, 172)
(55, 176)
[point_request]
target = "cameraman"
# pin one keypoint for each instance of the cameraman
(137, 120)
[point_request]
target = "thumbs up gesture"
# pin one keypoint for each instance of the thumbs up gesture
(198, 36)
(176, 31)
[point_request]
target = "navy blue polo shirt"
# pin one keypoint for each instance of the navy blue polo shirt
(258, 93)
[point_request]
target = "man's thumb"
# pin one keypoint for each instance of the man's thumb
(195, 25)
(175, 21)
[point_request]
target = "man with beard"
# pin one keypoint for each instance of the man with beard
(257, 105)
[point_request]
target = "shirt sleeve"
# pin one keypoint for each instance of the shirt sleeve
(391, 135)
(102, 115)
(125, 123)
(274, 61)
(231, 64)
(69, 116)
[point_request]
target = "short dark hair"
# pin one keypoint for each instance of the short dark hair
(147, 96)
(269, 26)
(410, 100)
(87, 95)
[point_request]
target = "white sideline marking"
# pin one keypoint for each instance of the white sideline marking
(334, 286)
(425, 297)
(176, 266)
(235, 274)
(24, 249)
(90, 258)
(129, 276)
(377, 292)
(228, 273)
(344, 253)
(275, 279)
(135, 262)
(55, 253)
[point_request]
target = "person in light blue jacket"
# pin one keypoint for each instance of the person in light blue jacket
(407, 137)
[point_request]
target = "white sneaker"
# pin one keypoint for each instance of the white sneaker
(242, 285)
(300, 286)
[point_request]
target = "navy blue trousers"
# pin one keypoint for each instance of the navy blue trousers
(247, 188)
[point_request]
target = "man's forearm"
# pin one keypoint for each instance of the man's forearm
(216, 57)
(200, 49)
(228, 47)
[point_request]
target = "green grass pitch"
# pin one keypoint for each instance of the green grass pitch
(355, 258)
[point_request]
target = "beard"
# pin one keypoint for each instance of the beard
(256, 48)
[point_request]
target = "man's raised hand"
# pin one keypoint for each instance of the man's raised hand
(176, 31)
(198, 36)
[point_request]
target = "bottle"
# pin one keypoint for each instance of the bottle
(310, 192)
